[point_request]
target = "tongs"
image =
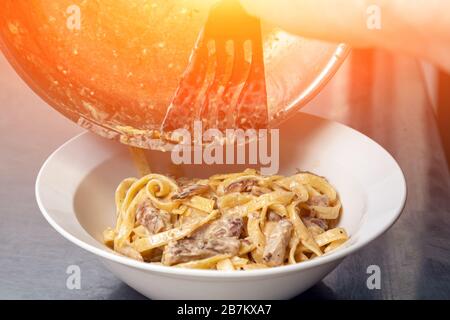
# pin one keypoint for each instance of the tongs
(224, 84)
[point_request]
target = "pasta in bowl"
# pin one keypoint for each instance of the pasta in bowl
(79, 205)
(237, 221)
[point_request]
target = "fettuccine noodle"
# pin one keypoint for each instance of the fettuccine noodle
(229, 222)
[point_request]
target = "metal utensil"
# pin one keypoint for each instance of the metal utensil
(224, 84)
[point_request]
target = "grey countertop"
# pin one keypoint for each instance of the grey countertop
(380, 95)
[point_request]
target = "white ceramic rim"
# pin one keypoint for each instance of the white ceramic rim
(214, 274)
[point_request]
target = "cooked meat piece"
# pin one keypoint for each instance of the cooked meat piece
(153, 219)
(268, 227)
(277, 242)
(225, 227)
(310, 221)
(183, 181)
(191, 190)
(195, 249)
(241, 186)
(321, 200)
(272, 216)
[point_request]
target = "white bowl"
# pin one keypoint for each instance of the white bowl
(75, 192)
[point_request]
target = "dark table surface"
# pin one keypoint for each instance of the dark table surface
(378, 94)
